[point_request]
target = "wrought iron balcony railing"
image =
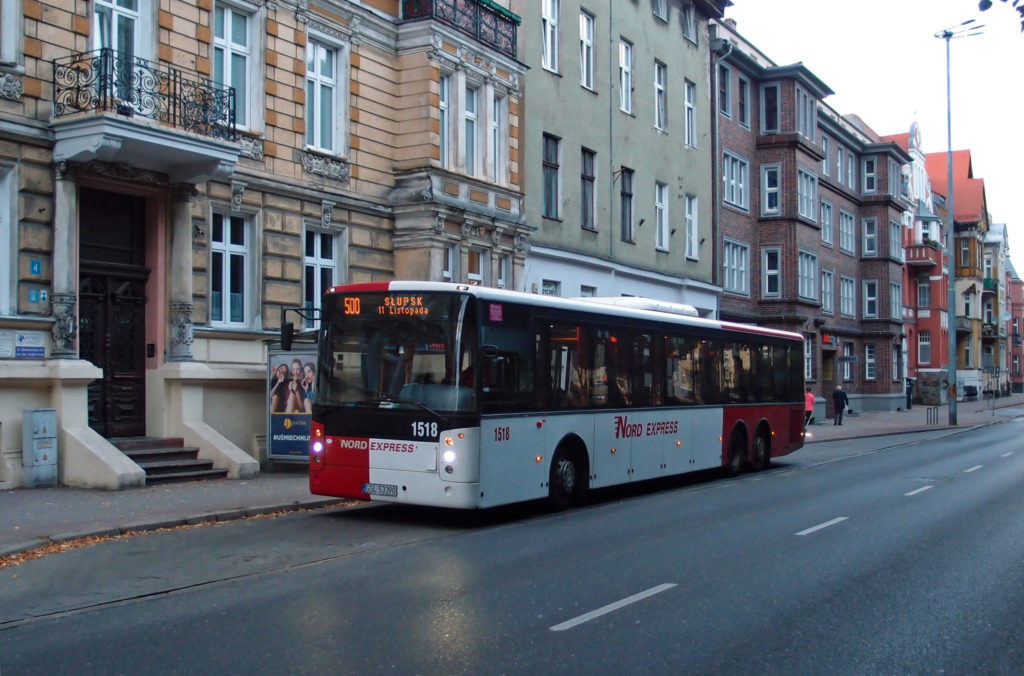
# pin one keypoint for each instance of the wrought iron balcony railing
(481, 19)
(105, 80)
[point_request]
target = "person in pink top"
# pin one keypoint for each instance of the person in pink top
(808, 407)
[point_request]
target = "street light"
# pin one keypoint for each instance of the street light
(964, 30)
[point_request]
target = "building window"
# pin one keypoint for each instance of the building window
(322, 91)
(231, 48)
(870, 367)
(445, 108)
(826, 165)
(848, 354)
(1016, 364)
(896, 187)
(550, 287)
(808, 357)
(770, 190)
(826, 222)
(476, 267)
(691, 113)
(839, 165)
(504, 280)
(660, 9)
(770, 108)
(736, 261)
(660, 102)
(321, 267)
(869, 228)
(552, 180)
(587, 291)
(771, 272)
(8, 217)
(965, 253)
(924, 292)
(895, 300)
(549, 29)
(626, 76)
(870, 299)
(867, 182)
(846, 235)
(924, 347)
(448, 274)
(847, 296)
(586, 50)
(689, 21)
(724, 90)
(10, 27)
(588, 195)
(968, 353)
(807, 275)
(896, 354)
(735, 172)
(626, 205)
(851, 179)
(827, 299)
(661, 216)
(807, 192)
(692, 235)
(743, 102)
(229, 246)
(471, 130)
(498, 124)
(806, 114)
(895, 241)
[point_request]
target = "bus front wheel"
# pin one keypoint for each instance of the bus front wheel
(564, 486)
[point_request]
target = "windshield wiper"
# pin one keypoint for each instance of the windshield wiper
(385, 398)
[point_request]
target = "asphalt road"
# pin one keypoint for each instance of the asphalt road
(859, 557)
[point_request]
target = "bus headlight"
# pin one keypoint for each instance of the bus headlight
(448, 456)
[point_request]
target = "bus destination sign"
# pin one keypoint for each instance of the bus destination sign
(406, 305)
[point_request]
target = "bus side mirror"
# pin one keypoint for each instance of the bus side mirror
(287, 335)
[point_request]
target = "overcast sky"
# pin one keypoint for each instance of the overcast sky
(884, 63)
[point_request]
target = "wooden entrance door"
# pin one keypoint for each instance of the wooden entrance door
(112, 314)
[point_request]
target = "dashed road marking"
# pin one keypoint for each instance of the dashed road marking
(814, 529)
(972, 469)
(611, 607)
(922, 489)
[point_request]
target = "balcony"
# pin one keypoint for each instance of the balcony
(989, 330)
(963, 324)
(924, 255)
(483, 20)
(991, 285)
(116, 107)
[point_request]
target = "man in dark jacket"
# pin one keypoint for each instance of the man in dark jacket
(841, 401)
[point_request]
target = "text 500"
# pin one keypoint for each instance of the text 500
(424, 429)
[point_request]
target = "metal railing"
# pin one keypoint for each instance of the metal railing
(479, 19)
(107, 80)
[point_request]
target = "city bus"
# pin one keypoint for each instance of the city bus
(463, 396)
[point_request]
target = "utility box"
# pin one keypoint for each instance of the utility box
(39, 447)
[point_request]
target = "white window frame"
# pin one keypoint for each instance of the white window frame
(736, 265)
(660, 96)
(661, 219)
(871, 301)
(735, 179)
(660, 9)
(8, 239)
(827, 223)
(549, 34)
(924, 291)
(851, 175)
(469, 134)
(870, 362)
(826, 162)
(477, 266)
(771, 271)
(588, 189)
(688, 19)
(771, 189)
(806, 114)
(228, 250)
(551, 168)
(869, 175)
(318, 263)
(827, 291)
(626, 61)
(496, 151)
(895, 178)
(339, 105)
(230, 48)
(807, 275)
(503, 280)
(550, 287)
(743, 101)
(690, 108)
(449, 268)
(869, 236)
(445, 107)
(627, 205)
(771, 116)
(587, 22)
(847, 363)
(807, 194)
(808, 357)
(847, 296)
(896, 241)
(839, 165)
(847, 232)
(692, 229)
(11, 34)
(724, 90)
(895, 300)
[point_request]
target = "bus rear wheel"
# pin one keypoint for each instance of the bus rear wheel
(564, 485)
(737, 454)
(760, 457)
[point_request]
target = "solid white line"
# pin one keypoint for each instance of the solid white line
(833, 522)
(972, 469)
(922, 489)
(1006, 455)
(586, 617)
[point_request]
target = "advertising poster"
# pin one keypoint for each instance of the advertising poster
(290, 378)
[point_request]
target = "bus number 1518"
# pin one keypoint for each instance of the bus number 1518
(502, 433)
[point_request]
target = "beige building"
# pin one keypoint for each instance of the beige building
(174, 175)
(617, 148)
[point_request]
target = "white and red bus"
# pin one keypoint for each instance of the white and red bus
(463, 396)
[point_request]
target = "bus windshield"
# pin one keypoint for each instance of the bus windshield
(399, 349)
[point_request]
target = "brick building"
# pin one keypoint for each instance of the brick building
(812, 214)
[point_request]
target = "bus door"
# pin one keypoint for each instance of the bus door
(612, 396)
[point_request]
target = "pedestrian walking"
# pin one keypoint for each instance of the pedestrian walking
(841, 401)
(808, 407)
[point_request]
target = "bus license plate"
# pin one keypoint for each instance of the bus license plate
(383, 490)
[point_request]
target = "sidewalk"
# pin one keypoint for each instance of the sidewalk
(36, 517)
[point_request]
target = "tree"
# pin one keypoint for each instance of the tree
(985, 5)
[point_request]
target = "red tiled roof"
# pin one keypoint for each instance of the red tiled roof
(969, 192)
(902, 140)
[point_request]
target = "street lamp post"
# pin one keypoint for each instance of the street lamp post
(965, 29)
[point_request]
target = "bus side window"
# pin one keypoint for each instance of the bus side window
(568, 372)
